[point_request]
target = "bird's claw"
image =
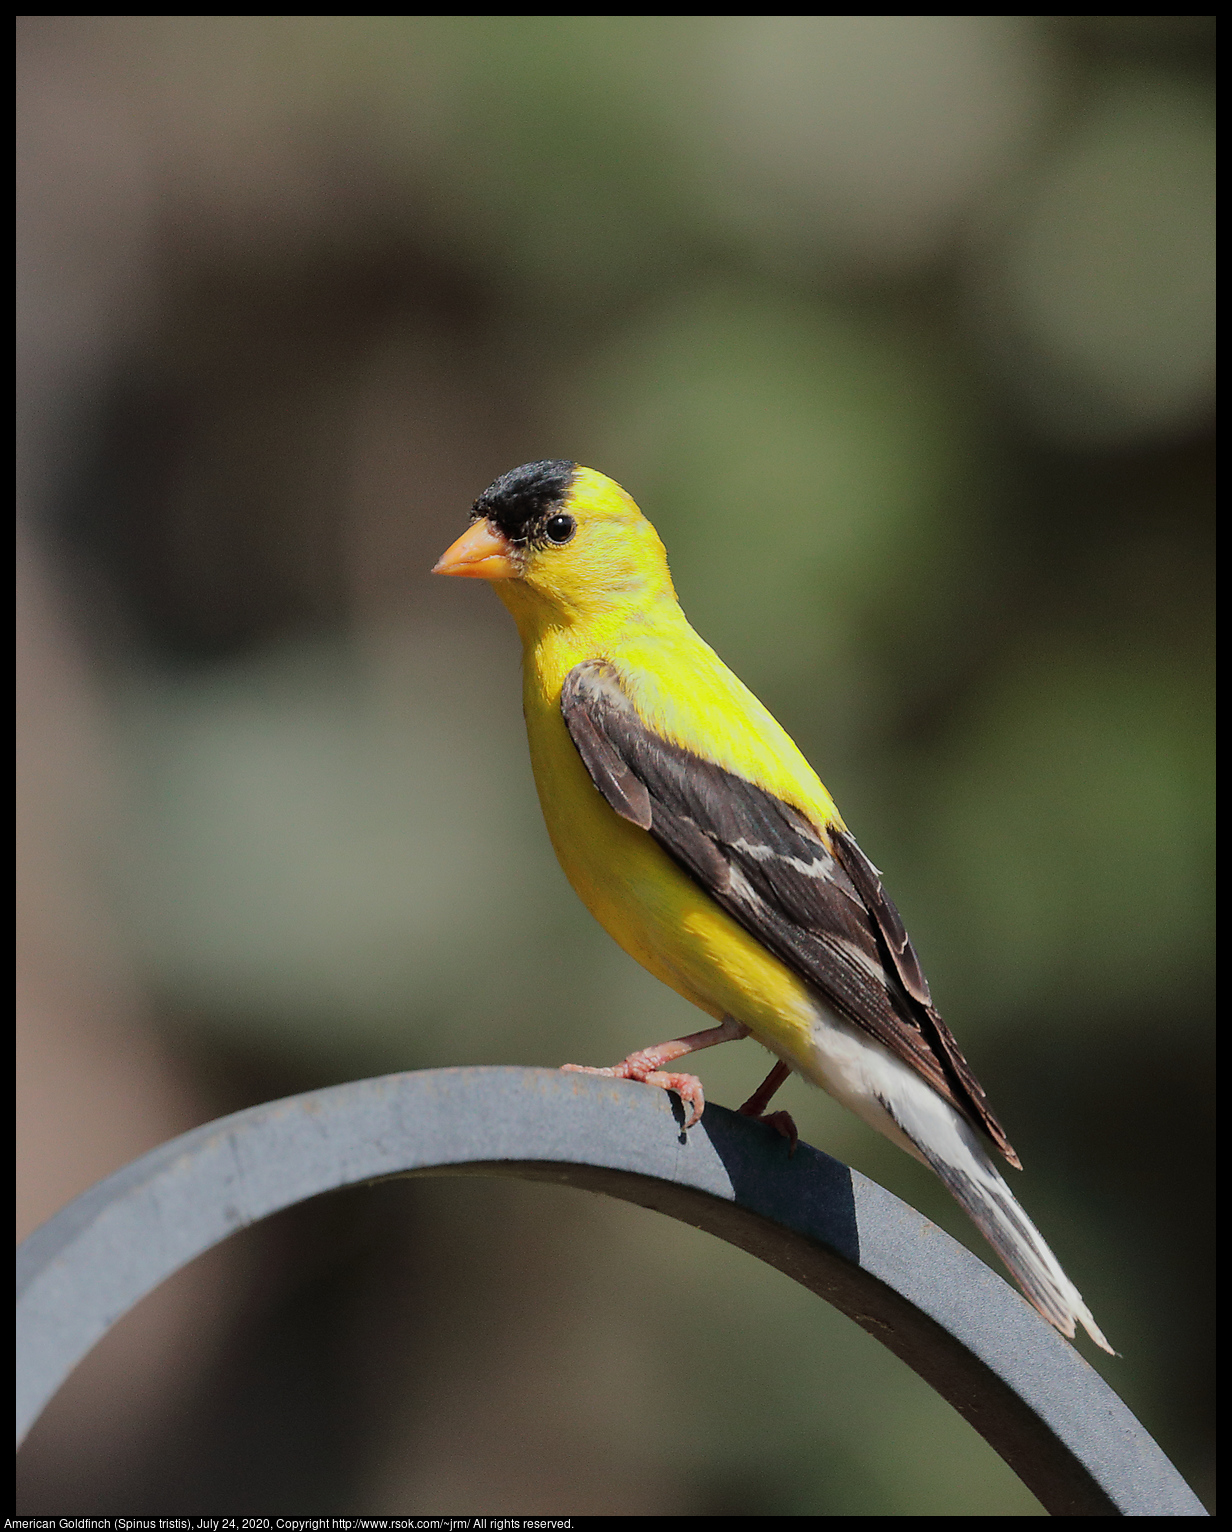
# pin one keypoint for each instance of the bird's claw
(783, 1123)
(641, 1066)
(687, 1087)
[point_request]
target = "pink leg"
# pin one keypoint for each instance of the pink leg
(644, 1064)
(755, 1106)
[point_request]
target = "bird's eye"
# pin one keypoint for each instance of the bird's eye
(560, 529)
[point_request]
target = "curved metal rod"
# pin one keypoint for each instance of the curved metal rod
(965, 1331)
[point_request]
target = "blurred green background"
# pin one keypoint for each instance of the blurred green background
(900, 330)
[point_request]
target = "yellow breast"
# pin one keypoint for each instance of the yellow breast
(631, 886)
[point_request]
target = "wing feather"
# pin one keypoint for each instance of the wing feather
(812, 898)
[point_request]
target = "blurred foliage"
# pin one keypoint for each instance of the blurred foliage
(900, 330)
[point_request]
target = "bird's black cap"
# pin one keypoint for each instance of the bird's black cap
(522, 500)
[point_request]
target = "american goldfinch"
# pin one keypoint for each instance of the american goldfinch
(697, 834)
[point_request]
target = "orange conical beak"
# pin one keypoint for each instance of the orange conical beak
(481, 553)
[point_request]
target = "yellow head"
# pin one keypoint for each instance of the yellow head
(561, 544)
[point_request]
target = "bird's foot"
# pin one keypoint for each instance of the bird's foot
(643, 1066)
(783, 1123)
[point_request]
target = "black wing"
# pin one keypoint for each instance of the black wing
(813, 899)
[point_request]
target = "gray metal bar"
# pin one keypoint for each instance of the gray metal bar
(965, 1331)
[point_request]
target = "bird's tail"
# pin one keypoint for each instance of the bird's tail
(977, 1184)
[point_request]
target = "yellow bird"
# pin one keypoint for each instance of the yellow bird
(697, 834)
